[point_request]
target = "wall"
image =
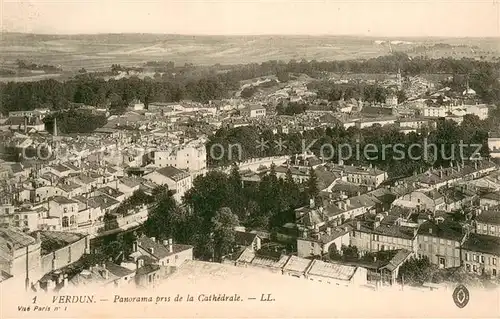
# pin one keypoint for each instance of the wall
(488, 229)
(254, 164)
(65, 256)
(16, 265)
(481, 262)
(432, 247)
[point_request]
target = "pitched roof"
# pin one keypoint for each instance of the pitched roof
(160, 251)
(446, 229)
(244, 238)
(331, 270)
(173, 173)
(63, 200)
(10, 237)
(483, 243)
(491, 216)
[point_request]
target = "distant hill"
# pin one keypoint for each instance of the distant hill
(94, 52)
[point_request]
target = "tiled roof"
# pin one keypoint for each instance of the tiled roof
(483, 243)
(491, 216)
(331, 270)
(445, 229)
(297, 264)
(14, 238)
(173, 173)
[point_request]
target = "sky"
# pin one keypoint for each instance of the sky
(443, 18)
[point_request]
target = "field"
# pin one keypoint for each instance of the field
(98, 52)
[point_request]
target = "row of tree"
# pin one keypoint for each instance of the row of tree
(330, 143)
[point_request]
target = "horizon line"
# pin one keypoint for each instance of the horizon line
(255, 35)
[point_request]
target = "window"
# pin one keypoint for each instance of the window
(482, 259)
(474, 268)
(474, 257)
(467, 257)
(494, 261)
(442, 261)
(467, 266)
(434, 240)
(65, 221)
(494, 272)
(426, 238)
(449, 242)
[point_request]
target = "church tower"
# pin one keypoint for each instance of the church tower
(54, 133)
(399, 80)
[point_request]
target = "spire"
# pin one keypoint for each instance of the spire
(54, 133)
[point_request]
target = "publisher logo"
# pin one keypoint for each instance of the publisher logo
(461, 296)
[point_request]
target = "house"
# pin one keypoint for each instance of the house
(488, 222)
(247, 239)
(191, 157)
(164, 253)
(456, 198)
(65, 210)
(107, 274)
(373, 233)
(253, 111)
(430, 200)
(368, 176)
(297, 266)
(319, 243)
(383, 267)
(481, 254)
(489, 199)
(20, 255)
(494, 144)
(177, 180)
(440, 240)
(434, 111)
(336, 274)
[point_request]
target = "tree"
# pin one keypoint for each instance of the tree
(163, 217)
(416, 271)
(350, 253)
(312, 184)
(224, 223)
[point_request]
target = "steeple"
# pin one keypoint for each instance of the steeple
(54, 133)
(399, 79)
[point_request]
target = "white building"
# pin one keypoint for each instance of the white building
(177, 180)
(254, 111)
(191, 157)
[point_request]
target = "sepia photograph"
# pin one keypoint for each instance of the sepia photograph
(249, 159)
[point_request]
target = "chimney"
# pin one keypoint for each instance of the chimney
(311, 203)
(328, 230)
(376, 224)
(374, 258)
(151, 250)
(135, 246)
(165, 242)
(358, 225)
(170, 245)
(153, 239)
(140, 263)
(430, 231)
